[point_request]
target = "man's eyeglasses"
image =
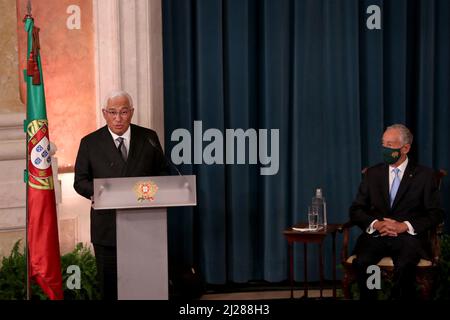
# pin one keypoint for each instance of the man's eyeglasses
(122, 113)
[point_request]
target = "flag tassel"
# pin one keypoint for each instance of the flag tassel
(30, 65)
(35, 50)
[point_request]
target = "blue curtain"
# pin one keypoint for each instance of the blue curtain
(313, 70)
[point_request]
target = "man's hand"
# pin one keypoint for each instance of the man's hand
(389, 227)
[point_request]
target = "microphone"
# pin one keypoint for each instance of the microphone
(154, 145)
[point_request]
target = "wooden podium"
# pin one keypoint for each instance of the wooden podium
(141, 221)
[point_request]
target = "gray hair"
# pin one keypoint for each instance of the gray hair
(118, 93)
(405, 135)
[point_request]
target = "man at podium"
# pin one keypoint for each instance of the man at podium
(119, 149)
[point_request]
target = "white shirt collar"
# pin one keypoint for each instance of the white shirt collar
(126, 135)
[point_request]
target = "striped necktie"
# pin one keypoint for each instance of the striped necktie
(122, 149)
(395, 185)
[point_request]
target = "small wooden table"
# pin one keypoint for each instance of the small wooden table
(311, 237)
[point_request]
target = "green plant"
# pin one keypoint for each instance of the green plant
(443, 278)
(13, 275)
(381, 294)
(81, 256)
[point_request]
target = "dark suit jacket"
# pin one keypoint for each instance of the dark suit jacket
(98, 157)
(417, 199)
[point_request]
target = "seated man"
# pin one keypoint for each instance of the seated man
(397, 203)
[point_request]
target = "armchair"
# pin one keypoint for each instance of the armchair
(425, 270)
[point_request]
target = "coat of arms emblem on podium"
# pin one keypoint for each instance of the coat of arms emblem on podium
(145, 191)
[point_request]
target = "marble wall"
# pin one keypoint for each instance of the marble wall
(9, 79)
(118, 45)
(12, 137)
(12, 140)
(68, 66)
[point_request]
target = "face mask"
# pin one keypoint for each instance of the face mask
(391, 156)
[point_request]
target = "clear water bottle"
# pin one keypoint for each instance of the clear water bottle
(319, 201)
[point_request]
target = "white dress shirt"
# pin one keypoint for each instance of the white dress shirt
(126, 139)
(402, 169)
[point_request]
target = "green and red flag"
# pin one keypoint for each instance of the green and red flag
(44, 262)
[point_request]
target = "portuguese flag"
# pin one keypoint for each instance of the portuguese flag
(44, 264)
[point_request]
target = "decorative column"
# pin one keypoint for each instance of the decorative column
(12, 136)
(129, 56)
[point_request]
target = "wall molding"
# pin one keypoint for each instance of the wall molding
(128, 45)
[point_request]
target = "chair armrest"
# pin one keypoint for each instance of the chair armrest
(345, 229)
(346, 225)
(435, 243)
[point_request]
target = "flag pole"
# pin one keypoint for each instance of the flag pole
(26, 186)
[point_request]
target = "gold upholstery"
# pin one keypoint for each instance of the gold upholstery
(387, 262)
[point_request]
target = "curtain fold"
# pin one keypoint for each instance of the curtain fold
(313, 70)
